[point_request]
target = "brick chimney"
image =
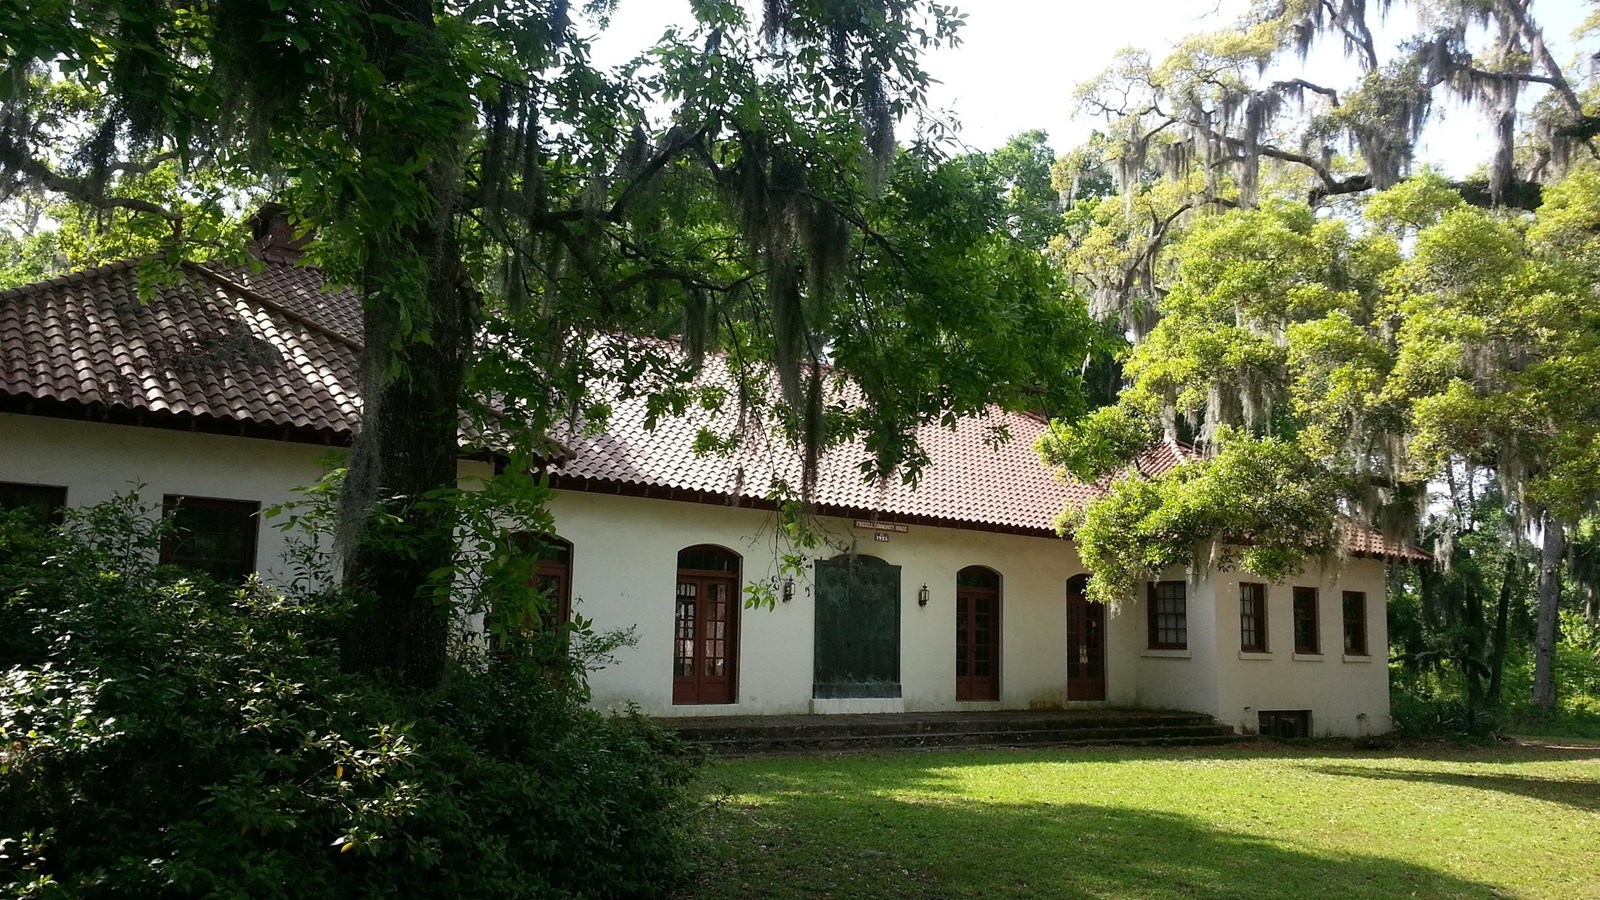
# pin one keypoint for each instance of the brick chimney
(272, 236)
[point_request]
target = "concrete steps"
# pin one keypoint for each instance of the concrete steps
(745, 735)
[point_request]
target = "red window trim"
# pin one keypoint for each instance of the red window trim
(992, 593)
(1258, 600)
(170, 503)
(1154, 624)
(731, 578)
(1311, 594)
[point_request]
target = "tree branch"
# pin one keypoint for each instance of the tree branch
(661, 160)
(1330, 93)
(14, 158)
(1517, 10)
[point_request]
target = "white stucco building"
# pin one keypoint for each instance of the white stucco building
(229, 388)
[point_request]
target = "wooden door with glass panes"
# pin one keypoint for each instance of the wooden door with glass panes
(977, 634)
(705, 626)
(1086, 643)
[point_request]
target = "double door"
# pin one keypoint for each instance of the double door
(703, 645)
(977, 643)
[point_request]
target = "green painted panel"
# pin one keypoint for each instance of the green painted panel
(857, 628)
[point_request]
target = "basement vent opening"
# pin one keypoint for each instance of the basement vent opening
(1284, 723)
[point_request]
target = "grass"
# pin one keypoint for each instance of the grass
(1268, 821)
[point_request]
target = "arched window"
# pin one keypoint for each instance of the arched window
(705, 626)
(977, 634)
(551, 575)
(537, 597)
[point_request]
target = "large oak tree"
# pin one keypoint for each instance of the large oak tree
(1332, 349)
(508, 208)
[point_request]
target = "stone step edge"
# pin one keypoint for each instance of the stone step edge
(707, 734)
(942, 726)
(1191, 741)
(960, 737)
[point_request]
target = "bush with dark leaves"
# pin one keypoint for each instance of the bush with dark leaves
(161, 735)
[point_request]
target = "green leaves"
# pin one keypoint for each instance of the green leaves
(1259, 503)
(1099, 444)
(180, 738)
(1359, 372)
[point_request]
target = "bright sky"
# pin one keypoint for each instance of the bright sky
(1020, 60)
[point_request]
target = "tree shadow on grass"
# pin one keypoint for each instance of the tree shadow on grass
(859, 845)
(1584, 795)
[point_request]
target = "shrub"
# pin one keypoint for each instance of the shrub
(1419, 711)
(161, 735)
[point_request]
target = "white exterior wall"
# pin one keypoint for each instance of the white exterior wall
(1171, 679)
(625, 560)
(624, 566)
(96, 462)
(1346, 695)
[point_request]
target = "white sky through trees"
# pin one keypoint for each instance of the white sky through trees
(1021, 60)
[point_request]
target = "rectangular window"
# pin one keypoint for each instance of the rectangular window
(1284, 723)
(1306, 638)
(213, 536)
(45, 502)
(1355, 623)
(1169, 616)
(1253, 618)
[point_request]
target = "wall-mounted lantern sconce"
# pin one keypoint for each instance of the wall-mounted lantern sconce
(922, 596)
(788, 589)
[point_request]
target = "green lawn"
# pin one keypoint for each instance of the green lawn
(1266, 821)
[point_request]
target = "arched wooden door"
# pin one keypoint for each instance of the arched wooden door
(1086, 643)
(977, 634)
(705, 626)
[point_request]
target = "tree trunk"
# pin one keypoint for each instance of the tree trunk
(1472, 653)
(1544, 644)
(409, 439)
(1428, 587)
(1497, 662)
(398, 531)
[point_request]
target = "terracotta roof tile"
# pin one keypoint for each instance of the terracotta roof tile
(203, 346)
(973, 478)
(275, 347)
(1164, 457)
(1363, 541)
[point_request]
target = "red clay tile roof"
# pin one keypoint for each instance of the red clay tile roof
(205, 346)
(275, 347)
(1164, 457)
(972, 479)
(1363, 541)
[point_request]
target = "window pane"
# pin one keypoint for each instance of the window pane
(683, 658)
(1355, 623)
(1253, 617)
(1169, 625)
(707, 559)
(1305, 621)
(44, 502)
(978, 577)
(217, 537)
(546, 548)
